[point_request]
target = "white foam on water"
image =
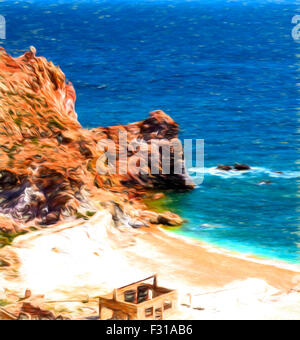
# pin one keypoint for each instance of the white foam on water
(213, 171)
(278, 174)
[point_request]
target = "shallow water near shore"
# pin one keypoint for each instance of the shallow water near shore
(227, 72)
(253, 218)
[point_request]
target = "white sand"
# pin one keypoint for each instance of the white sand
(91, 258)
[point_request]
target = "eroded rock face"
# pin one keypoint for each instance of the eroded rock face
(155, 133)
(48, 161)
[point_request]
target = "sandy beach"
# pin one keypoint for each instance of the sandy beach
(69, 266)
(133, 134)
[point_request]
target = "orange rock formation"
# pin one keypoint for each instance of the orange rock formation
(49, 162)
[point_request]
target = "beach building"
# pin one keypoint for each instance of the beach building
(139, 301)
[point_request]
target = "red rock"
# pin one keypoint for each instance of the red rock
(49, 162)
(167, 218)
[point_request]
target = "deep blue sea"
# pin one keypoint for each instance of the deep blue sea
(226, 71)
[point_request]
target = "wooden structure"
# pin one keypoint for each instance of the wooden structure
(139, 301)
(5, 315)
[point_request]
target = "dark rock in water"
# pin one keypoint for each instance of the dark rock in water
(265, 183)
(224, 167)
(241, 167)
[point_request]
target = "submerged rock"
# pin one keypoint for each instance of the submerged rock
(265, 183)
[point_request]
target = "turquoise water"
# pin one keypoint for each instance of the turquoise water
(227, 71)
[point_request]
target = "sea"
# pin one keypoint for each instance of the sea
(226, 71)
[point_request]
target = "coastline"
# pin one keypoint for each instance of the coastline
(69, 262)
(165, 204)
(89, 233)
(252, 257)
(216, 267)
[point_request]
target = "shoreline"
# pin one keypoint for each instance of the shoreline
(216, 284)
(209, 260)
(91, 258)
(228, 252)
(161, 205)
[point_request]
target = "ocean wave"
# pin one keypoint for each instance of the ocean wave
(255, 171)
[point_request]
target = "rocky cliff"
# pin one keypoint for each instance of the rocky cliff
(49, 163)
